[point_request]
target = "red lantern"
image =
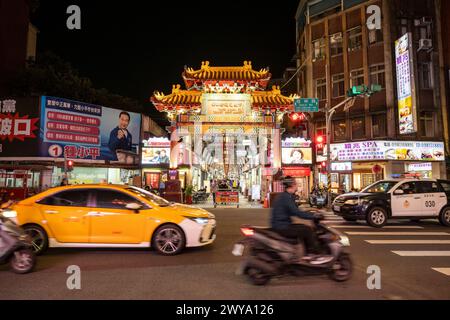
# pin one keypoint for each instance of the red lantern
(377, 169)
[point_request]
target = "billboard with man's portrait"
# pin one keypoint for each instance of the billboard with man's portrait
(83, 131)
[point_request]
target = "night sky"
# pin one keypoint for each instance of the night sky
(135, 47)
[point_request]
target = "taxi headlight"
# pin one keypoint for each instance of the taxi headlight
(199, 220)
(352, 201)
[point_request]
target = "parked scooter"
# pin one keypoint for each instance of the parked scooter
(318, 199)
(271, 255)
(15, 244)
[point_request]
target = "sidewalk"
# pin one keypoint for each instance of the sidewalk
(243, 204)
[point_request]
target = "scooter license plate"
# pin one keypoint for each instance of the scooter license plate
(238, 250)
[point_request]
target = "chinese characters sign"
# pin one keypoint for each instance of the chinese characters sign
(19, 127)
(218, 107)
(405, 85)
(78, 130)
(388, 150)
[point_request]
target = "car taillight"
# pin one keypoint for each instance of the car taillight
(248, 232)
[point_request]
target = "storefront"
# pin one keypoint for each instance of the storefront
(356, 165)
(297, 161)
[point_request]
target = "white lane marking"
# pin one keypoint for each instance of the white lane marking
(369, 227)
(445, 271)
(397, 233)
(422, 253)
(408, 241)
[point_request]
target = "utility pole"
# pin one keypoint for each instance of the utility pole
(352, 94)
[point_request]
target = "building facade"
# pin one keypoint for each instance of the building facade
(373, 139)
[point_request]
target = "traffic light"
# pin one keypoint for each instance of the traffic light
(320, 143)
(356, 91)
(295, 116)
(69, 165)
(323, 166)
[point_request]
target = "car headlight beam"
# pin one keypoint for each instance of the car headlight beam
(199, 220)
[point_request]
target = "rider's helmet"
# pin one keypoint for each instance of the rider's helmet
(288, 182)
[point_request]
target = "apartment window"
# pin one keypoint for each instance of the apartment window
(358, 128)
(338, 85)
(427, 124)
(377, 75)
(339, 132)
(321, 89)
(354, 39)
(403, 27)
(379, 126)
(319, 49)
(375, 36)
(336, 44)
(356, 77)
(425, 78)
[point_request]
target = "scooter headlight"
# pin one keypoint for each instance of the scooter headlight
(10, 214)
(345, 241)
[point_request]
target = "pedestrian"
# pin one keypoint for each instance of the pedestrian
(64, 182)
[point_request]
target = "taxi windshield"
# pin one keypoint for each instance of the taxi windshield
(149, 196)
(380, 186)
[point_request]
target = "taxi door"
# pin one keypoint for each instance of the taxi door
(408, 203)
(112, 222)
(67, 216)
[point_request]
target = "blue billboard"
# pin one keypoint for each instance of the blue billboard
(78, 130)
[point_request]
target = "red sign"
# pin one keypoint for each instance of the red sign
(297, 172)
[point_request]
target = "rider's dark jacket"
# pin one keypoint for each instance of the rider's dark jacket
(284, 208)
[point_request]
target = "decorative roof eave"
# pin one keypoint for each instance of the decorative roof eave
(177, 100)
(272, 100)
(243, 73)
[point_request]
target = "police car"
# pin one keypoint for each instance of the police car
(400, 199)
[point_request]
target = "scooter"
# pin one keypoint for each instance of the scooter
(317, 199)
(272, 255)
(15, 245)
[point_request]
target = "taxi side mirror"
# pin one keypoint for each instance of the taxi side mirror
(134, 206)
(399, 191)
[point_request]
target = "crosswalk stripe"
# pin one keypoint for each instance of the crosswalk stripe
(445, 271)
(422, 253)
(397, 233)
(369, 227)
(408, 241)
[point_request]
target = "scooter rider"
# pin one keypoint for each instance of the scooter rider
(284, 208)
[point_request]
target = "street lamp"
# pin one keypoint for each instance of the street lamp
(352, 94)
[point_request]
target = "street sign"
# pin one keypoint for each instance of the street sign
(306, 105)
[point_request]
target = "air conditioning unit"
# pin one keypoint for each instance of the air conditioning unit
(425, 44)
(426, 20)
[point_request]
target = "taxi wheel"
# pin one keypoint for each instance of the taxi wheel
(169, 240)
(377, 217)
(444, 217)
(38, 236)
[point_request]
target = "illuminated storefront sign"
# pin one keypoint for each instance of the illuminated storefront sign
(341, 166)
(222, 107)
(405, 84)
(388, 150)
(415, 167)
(156, 151)
(296, 151)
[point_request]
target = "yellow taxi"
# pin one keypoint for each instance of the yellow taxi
(103, 216)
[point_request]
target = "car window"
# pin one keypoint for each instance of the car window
(429, 187)
(381, 186)
(112, 199)
(409, 187)
(149, 196)
(445, 185)
(68, 198)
